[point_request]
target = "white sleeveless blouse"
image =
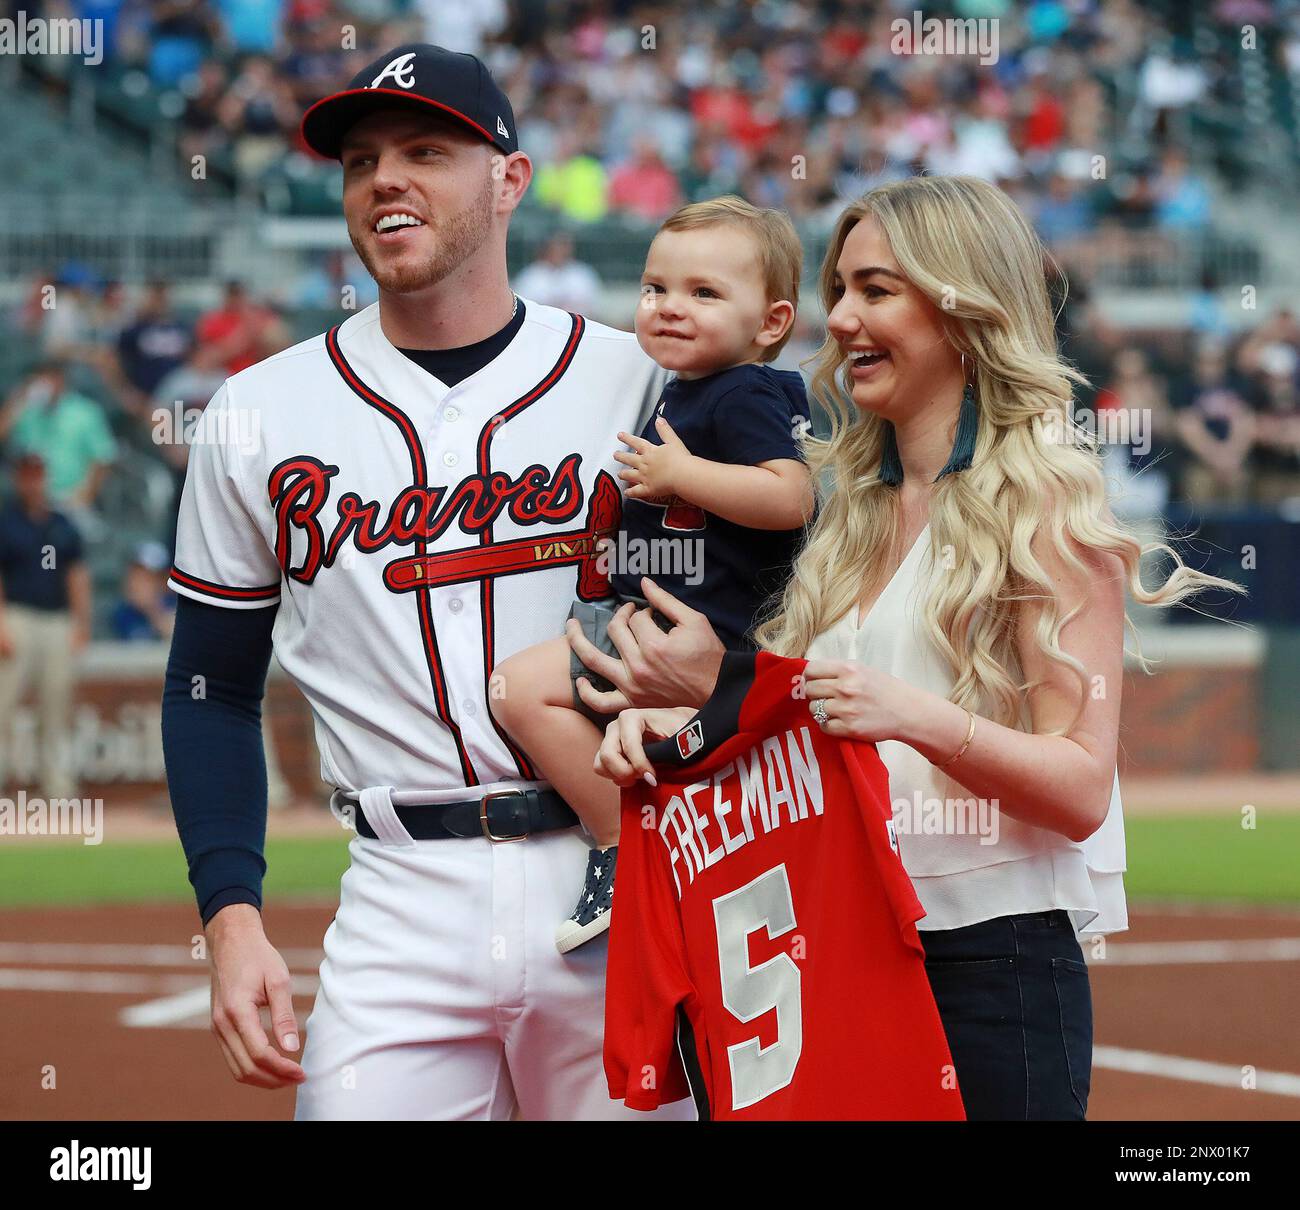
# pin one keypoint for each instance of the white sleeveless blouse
(968, 862)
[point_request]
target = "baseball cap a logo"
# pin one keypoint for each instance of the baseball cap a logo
(458, 86)
(399, 70)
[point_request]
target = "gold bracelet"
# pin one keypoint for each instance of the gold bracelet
(970, 734)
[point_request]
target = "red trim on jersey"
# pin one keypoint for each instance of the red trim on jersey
(268, 592)
(423, 602)
(486, 587)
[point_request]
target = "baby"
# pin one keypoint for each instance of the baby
(716, 480)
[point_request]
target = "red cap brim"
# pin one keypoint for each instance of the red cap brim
(330, 118)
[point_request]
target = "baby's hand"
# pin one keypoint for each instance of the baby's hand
(653, 471)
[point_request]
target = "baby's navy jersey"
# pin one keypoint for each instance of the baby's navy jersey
(744, 415)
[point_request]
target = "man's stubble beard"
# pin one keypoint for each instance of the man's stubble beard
(456, 238)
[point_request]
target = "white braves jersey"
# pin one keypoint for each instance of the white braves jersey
(413, 534)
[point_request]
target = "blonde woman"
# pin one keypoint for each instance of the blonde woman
(961, 601)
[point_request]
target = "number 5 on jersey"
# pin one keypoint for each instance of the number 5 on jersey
(748, 992)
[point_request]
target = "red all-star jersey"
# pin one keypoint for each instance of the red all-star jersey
(763, 953)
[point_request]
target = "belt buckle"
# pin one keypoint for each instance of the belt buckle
(483, 819)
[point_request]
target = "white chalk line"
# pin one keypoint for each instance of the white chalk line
(1194, 1071)
(169, 1010)
(1122, 953)
(75, 953)
(1196, 953)
(184, 1002)
(189, 1009)
(111, 983)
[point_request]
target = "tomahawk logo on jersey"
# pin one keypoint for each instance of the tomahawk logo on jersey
(763, 951)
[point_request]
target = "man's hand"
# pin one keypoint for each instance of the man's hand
(248, 975)
(653, 471)
(679, 668)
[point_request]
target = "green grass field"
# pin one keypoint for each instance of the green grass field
(1213, 857)
(153, 871)
(1182, 857)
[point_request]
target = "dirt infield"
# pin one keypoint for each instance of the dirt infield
(109, 1007)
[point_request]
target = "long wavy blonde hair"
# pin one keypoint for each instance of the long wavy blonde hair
(968, 249)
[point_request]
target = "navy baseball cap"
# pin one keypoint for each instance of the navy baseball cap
(416, 76)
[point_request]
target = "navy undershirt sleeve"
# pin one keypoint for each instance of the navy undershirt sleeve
(212, 745)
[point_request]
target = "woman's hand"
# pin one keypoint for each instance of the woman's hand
(861, 703)
(621, 757)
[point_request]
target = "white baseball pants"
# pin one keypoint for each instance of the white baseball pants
(442, 995)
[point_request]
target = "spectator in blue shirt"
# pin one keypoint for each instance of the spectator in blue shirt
(251, 26)
(1063, 216)
(147, 610)
(180, 38)
(153, 345)
(1182, 200)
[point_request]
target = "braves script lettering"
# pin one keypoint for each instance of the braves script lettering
(299, 488)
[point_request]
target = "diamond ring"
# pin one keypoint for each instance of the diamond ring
(818, 708)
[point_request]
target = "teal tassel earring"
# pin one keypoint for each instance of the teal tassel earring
(891, 469)
(963, 446)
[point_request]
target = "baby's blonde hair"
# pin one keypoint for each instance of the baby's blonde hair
(780, 255)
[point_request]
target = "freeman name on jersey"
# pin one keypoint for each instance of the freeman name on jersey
(780, 774)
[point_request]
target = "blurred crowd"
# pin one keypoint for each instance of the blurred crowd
(1208, 420)
(119, 379)
(633, 108)
(120, 370)
(118, 374)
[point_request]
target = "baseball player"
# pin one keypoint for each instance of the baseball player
(395, 506)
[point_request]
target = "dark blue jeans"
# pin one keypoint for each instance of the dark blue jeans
(1014, 999)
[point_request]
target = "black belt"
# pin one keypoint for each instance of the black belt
(501, 815)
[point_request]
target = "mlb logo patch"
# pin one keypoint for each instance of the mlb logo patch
(893, 835)
(690, 740)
